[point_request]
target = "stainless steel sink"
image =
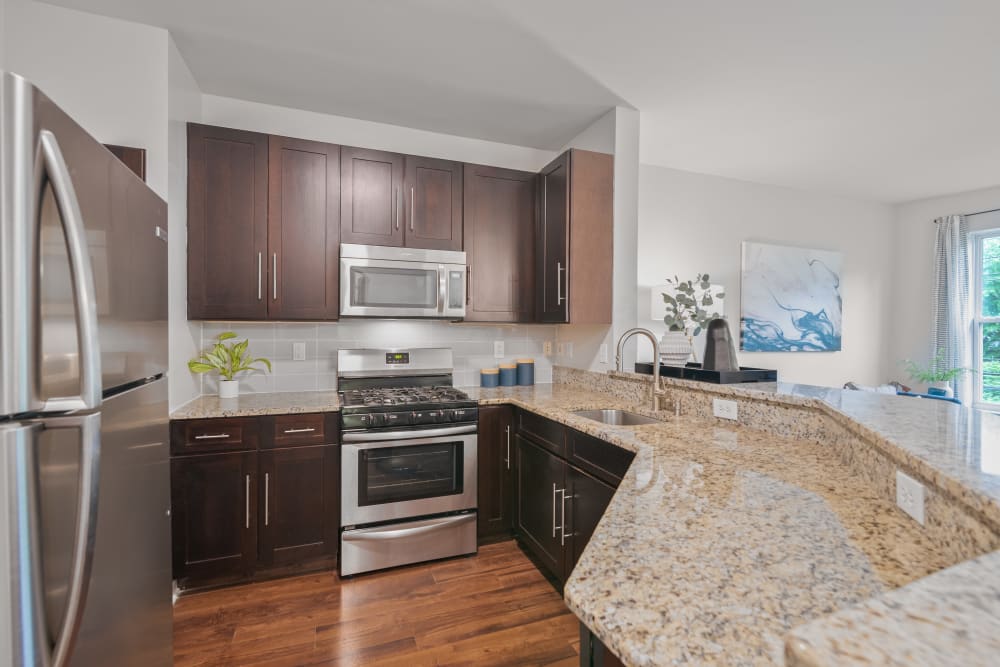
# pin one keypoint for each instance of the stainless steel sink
(615, 417)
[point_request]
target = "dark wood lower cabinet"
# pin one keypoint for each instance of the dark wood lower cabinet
(593, 653)
(587, 499)
(496, 472)
(214, 517)
(301, 505)
(540, 482)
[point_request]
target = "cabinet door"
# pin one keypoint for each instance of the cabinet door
(213, 512)
(371, 197)
(496, 474)
(227, 223)
(586, 500)
(303, 230)
(499, 229)
(433, 195)
(301, 504)
(552, 241)
(540, 483)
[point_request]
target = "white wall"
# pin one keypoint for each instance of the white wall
(244, 115)
(183, 105)
(109, 75)
(616, 132)
(913, 273)
(693, 223)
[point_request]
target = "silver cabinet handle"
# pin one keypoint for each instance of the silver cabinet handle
(267, 499)
(260, 276)
(442, 288)
(468, 284)
(562, 532)
(212, 436)
(274, 275)
(554, 492)
(399, 205)
(368, 534)
(559, 295)
(84, 291)
(507, 460)
(246, 523)
(412, 205)
(299, 430)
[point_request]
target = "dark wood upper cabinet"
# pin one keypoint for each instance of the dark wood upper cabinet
(371, 197)
(227, 223)
(214, 517)
(133, 158)
(496, 472)
(303, 226)
(433, 195)
(575, 238)
(301, 505)
(499, 228)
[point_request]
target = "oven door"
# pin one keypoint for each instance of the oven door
(405, 474)
(392, 288)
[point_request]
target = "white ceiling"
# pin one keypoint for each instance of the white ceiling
(888, 100)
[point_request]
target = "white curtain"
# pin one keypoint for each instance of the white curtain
(952, 331)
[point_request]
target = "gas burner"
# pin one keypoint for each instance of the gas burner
(394, 396)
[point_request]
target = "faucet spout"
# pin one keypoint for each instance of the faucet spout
(657, 393)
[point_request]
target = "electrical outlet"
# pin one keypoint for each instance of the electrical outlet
(560, 349)
(604, 353)
(298, 351)
(498, 349)
(910, 496)
(547, 348)
(725, 409)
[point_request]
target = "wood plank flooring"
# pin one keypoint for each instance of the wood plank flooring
(494, 608)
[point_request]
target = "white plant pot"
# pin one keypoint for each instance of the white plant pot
(675, 348)
(229, 388)
(941, 389)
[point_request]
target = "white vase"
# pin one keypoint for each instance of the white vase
(675, 348)
(229, 388)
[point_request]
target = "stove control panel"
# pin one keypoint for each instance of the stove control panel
(399, 419)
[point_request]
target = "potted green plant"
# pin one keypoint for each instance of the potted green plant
(689, 310)
(227, 359)
(937, 375)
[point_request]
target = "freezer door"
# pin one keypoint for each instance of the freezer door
(127, 619)
(84, 250)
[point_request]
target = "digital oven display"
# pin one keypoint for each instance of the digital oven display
(397, 358)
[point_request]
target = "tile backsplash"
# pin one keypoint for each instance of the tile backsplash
(472, 345)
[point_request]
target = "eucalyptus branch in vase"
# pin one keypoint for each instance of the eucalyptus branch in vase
(690, 307)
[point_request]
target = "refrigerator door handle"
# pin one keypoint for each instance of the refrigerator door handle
(84, 293)
(86, 531)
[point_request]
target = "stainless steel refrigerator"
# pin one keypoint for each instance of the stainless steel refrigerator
(84, 473)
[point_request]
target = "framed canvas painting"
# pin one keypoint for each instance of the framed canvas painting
(790, 299)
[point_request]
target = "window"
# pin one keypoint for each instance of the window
(986, 311)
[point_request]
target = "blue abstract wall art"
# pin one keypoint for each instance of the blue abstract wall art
(790, 299)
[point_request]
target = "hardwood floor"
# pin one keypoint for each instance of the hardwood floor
(494, 608)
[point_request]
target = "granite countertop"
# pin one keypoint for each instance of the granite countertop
(721, 539)
(258, 405)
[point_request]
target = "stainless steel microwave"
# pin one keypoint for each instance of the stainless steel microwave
(382, 281)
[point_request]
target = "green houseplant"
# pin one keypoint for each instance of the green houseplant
(227, 359)
(937, 375)
(688, 311)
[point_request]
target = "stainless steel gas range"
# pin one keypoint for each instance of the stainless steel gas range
(408, 459)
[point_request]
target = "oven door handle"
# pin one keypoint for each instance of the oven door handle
(396, 533)
(387, 436)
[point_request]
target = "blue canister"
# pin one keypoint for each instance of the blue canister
(508, 375)
(489, 377)
(526, 372)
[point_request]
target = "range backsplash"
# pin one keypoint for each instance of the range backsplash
(472, 345)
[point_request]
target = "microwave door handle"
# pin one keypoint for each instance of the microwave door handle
(442, 287)
(84, 292)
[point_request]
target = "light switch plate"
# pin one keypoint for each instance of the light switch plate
(725, 409)
(298, 351)
(560, 349)
(498, 349)
(604, 353)
(910, 496)
(547, 348)
(568, 349)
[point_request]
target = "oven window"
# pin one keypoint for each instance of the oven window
(394, 288)
(410, 472)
